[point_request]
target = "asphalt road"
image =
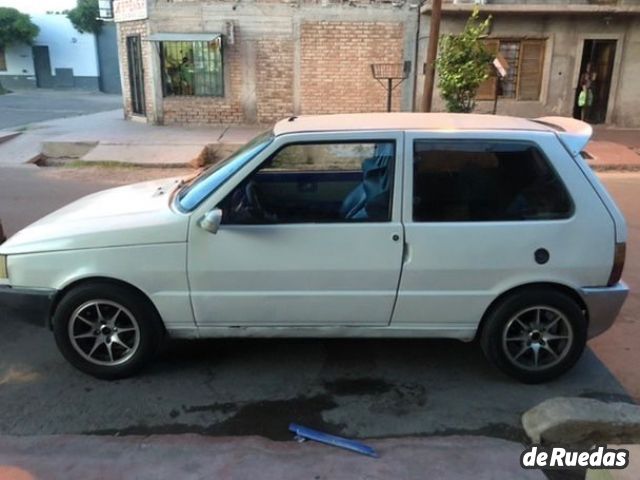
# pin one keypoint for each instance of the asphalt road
(28, 106)
(360, 388)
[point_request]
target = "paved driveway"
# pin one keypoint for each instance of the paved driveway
(28, 106)
(360, 388)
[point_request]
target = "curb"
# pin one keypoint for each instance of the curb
(622, 167)
(5, 137)
(45, 162)
(138, 155)
(53, 149)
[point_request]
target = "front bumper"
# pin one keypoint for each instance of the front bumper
(603, 306)
(31, 305)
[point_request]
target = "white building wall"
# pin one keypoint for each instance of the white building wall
(19, 60)
(68, 48)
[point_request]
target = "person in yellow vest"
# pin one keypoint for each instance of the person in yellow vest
(585, 98)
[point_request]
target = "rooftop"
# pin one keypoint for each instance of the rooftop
(538, 8)
(404, 121)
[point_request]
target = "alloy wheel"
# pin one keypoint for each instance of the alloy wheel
(104, 332)
(537, 338)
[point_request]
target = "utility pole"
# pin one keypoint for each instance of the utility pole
(432, 51)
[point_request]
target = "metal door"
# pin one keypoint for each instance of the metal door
(301, 275)
(136, 74)
(42, 65)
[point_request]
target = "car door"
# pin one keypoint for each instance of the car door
(302, 263)
(480, 211)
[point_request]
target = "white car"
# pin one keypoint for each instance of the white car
(363, 225)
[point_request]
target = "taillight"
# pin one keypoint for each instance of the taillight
(618, 264)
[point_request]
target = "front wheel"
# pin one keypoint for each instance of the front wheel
(534, 335)
(106, 330)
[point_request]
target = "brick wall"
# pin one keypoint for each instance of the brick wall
(313, 2)
(335, 65)
(273, 89)
(333, 71)
(274, 79)
(201, 110)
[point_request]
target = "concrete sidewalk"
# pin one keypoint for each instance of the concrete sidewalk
(189, 456)
(107, 137)
(629, 137)
(614, 148)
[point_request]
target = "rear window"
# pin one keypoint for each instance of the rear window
(481, 181)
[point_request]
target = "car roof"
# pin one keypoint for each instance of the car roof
(405, 121)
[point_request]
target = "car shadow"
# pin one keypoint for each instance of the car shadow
(365, 387)
(362, 388)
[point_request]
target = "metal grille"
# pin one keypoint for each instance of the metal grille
(105, 9)
(136, 74)
(510, 50)
(193, 68)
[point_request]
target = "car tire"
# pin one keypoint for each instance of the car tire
(534, 335)
(107, 330)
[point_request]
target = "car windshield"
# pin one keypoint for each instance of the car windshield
(195, 191)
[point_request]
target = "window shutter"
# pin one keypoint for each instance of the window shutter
(530, 69)
(487, 89)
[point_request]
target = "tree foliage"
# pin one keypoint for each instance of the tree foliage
(84, 17)
(463, 64)
(16, 27)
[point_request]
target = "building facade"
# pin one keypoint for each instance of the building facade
(62, 57)
(248, 61)
(552, 47)
(189, 61)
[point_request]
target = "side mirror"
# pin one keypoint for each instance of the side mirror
(211, 220)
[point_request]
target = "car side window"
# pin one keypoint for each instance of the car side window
(323, 182)
(480, 181)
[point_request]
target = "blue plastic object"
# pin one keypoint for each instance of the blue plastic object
(310, 434)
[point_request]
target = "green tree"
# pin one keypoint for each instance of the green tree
(463, 64)
(16, 27)
(84, 17)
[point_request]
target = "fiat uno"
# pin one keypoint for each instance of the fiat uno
(365, 225)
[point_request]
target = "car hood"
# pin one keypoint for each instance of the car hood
(130, 215)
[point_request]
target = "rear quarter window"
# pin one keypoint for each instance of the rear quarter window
(482, 181)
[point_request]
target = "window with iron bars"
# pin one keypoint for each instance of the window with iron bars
(192, 68)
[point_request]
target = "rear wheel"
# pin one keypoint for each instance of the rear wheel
(106, 330)
(535, 335)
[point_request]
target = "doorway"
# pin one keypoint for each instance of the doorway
(107, 41)
(596, 69)
(136, 74)
(42, 66)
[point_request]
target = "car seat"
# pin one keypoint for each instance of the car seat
(370, 199)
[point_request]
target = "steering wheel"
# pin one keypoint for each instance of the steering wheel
(245, 206)
(252, 201)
